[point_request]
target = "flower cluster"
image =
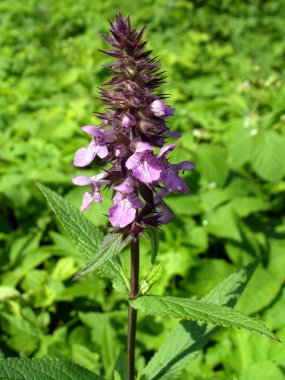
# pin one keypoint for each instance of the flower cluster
(131, 138)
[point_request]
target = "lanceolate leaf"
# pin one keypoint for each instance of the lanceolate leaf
(44, 369)
(187, 338)
(184, 308)
(86, 237)
(111, 246)
(82, 231)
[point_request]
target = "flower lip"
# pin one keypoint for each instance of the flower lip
(164, 150)
(126, 186)
(82, 180)
(144, 165)
(160, 109)
(92, 130)
(184, 165)
(142, 147)
(99, 135)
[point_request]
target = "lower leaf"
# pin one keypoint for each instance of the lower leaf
(183, 308)
(44, 369)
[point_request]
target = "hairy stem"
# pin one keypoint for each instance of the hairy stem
(132, 322)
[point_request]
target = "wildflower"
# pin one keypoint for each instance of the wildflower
(136, 118)
(160, 109)
(95, 182)
(126, 202)
(97, 146)
(143, 163)
(169, 174)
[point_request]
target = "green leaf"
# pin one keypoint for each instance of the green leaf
(44, 369)
(152, 277)
(187, 338)
(184, 308)
(111, 246)
(263, 370)
(268, 156)
(82, 232)
(211, 161)
(87, 238)
(153, 234)
(7, 292)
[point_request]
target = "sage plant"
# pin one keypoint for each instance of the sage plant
(133, 139)
(132, 143)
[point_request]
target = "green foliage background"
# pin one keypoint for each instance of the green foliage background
(225, 67)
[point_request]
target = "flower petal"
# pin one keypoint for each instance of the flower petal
(173, 134)
(147, 171)
(142, 147)
(97, 196)
(184, 165)
(92, 130)
(87, 200)
(101, 151)
(165, 214)
(127, 122)
(83, 157)
(172, 180)
(160, 109)
(122, 213)
(135, 201)
(82, 180)
(164, 150)
(126, 186)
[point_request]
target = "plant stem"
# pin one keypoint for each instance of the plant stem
(132, 322)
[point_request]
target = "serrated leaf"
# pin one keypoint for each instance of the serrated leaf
(86, 237)
(187, 338)
(153, 234)
(184, 308)
(44, 369)
(82, 231)
(268, 156)
(111, 246)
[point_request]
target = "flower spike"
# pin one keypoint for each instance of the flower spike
(133, 129)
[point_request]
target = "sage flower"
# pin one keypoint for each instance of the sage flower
(130, 141)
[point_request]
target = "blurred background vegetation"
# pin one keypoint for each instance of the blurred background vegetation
(225, 66)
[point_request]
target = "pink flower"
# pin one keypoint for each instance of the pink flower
(144, 164)
(97, 146)
(94, 195)
(169, 174)
(126, 202)
(160, 109)
(127, 122)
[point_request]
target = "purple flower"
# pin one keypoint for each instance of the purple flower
(165, 215)
(127, 122)
(97, 146)
(144, 164)
(160, 109)
(126, 202)
(169, 174)
(94, 195)
(136, 120)
(172, 134)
